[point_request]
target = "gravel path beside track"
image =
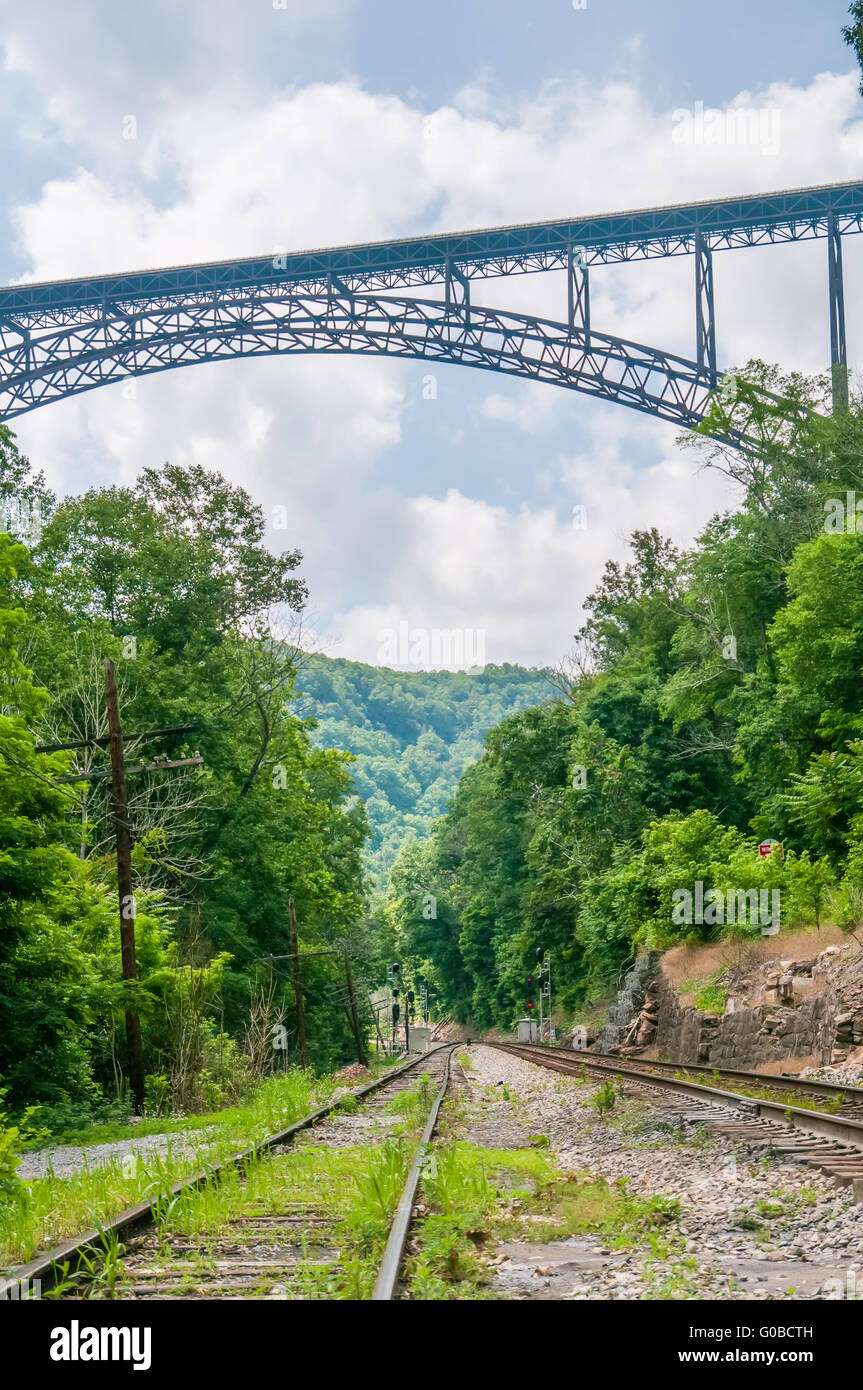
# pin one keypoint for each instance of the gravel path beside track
(66, 1159)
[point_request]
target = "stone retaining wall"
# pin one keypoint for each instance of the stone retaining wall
(747, 1038)
(807, 1009)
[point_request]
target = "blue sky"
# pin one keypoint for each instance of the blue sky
(329, 121)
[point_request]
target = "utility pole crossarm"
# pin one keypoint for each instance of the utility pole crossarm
(104, 739)
(162, 766)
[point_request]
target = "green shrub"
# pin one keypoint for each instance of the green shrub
(710, 997)
(604, 1100)
(13, 1138)
(157, 1095)
(10, 1183)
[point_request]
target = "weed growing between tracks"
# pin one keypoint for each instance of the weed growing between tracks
(476, 1197)
(340, 1200)
(413, 1105)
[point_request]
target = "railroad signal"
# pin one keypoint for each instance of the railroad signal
(543, 978)
(396, 1012)
(410, 996)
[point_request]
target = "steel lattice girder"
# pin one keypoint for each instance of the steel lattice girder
(65, 337)
(754, 220)
(78, 358)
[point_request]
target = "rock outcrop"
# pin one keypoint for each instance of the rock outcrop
(635, 1010)
(782, 1011)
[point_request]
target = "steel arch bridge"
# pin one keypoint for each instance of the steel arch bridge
(61, 338)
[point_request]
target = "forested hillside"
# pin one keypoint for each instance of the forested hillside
(717, 702)
(233, 811)
(413, 734)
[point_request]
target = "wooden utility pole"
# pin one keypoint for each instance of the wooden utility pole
(354, 1015)
(298, 989)
(124, 882)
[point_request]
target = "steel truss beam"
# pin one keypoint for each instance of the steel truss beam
(578, 291)
(759, 220)
(74, 359)
(705, 317)
(63, 337)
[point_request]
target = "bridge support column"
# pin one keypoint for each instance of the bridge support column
(838, 345)
(453, 277)
(705, 317)
(334, 284)
(578, 292)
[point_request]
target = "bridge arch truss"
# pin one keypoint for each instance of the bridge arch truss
(66, 337)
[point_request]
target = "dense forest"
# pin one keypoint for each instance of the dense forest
(242, 798)
(712, 699)
(171, 580)
(715, 701)
(413, 734)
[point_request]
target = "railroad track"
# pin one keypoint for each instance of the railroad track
(832, 1143)
(847, 1099)
(264, 1250)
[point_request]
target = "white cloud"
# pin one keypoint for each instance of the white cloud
(232, 169)
(521, 578)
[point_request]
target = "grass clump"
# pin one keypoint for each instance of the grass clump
(465, 1186)
(708, 993)
(413, 1104)
(587, 1205)
(711, 997)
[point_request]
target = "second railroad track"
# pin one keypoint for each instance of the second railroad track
(314, 1211)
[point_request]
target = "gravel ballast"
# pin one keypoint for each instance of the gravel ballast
(803, 1251)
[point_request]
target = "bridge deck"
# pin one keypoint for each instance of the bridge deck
(753, 219)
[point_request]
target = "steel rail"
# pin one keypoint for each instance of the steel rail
(44, 1265)
(783, 1081)
(395, 1247)
(812, 1121)
(788, 1083)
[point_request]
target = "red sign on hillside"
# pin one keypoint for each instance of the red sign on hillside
(768, 847)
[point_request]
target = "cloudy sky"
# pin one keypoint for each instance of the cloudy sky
(267, 124)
